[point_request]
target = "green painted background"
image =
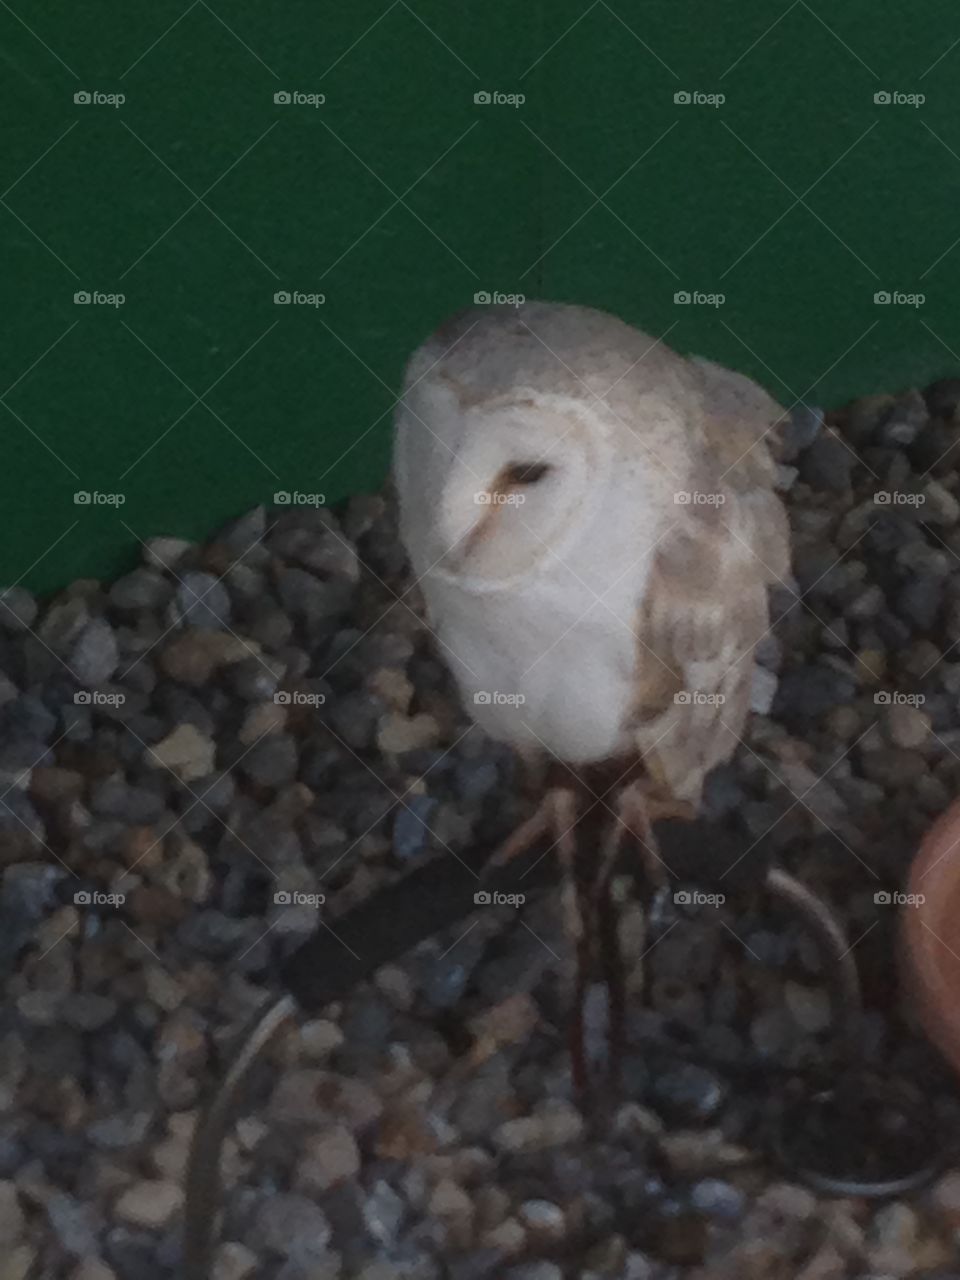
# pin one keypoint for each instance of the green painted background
(198, 198)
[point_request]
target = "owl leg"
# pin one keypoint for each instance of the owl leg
(638, 806)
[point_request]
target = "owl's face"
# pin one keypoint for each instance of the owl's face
(517, 491)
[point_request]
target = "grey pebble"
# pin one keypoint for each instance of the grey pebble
(18, 609)
(717, 1199)
(272, 761)
(203, 601)
(800, 429)
(411, 826)
(143, 589)
(292, 1226)
(307, 597)
(383, 1212)
(245, 532)
(827, 464)
(689, 1094)
(74, 1224)
(94, 656)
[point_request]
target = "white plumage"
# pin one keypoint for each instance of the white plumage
(587, 611)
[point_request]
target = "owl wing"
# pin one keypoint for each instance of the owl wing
(704, 605)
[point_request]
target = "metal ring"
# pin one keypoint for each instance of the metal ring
(829, 1109)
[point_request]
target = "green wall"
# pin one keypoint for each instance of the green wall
(198, 198)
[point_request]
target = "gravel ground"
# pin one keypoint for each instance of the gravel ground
(191, 754)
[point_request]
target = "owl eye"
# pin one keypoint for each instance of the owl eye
(525, 472)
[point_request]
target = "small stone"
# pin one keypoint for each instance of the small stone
(787, 1201)
(942, 397)
(292, 1226)
(904, 422)
(828, 463)
(329, 1158)
(234, 1261)
(717, 1199)
(689, 1093)
(393, 687)
(245, 532)
(194, 655)
(543, 1219)
(11, 1215)
(93, 1269)
(319, 1038)
(449, 1200)
(74, 1224)
(945, 1198)
(920, 599)
(401, 733)
(799, 431)
(941, 507)
(141, 590)
(186, 751)
(273, 762)
(165, 553)
(204, 602)
(17, 1264)
(772, 1032)
(151, 1203)
(809, 1007)
(262, 719)
(534, 1271)
(906, 725)
(507, 1237)
(88, 1011)
(892, 1239)
(411, 825)
(383, 1212)
(306, 1096)
(310, 598)
(18, 609)
(553, 1126)
(809, 692)
(94, 656)
(763, 690)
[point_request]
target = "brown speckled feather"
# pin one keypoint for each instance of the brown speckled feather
(705, 606)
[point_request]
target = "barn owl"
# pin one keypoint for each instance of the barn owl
(593, 522)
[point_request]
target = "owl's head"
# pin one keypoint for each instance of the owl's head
(517, 491)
